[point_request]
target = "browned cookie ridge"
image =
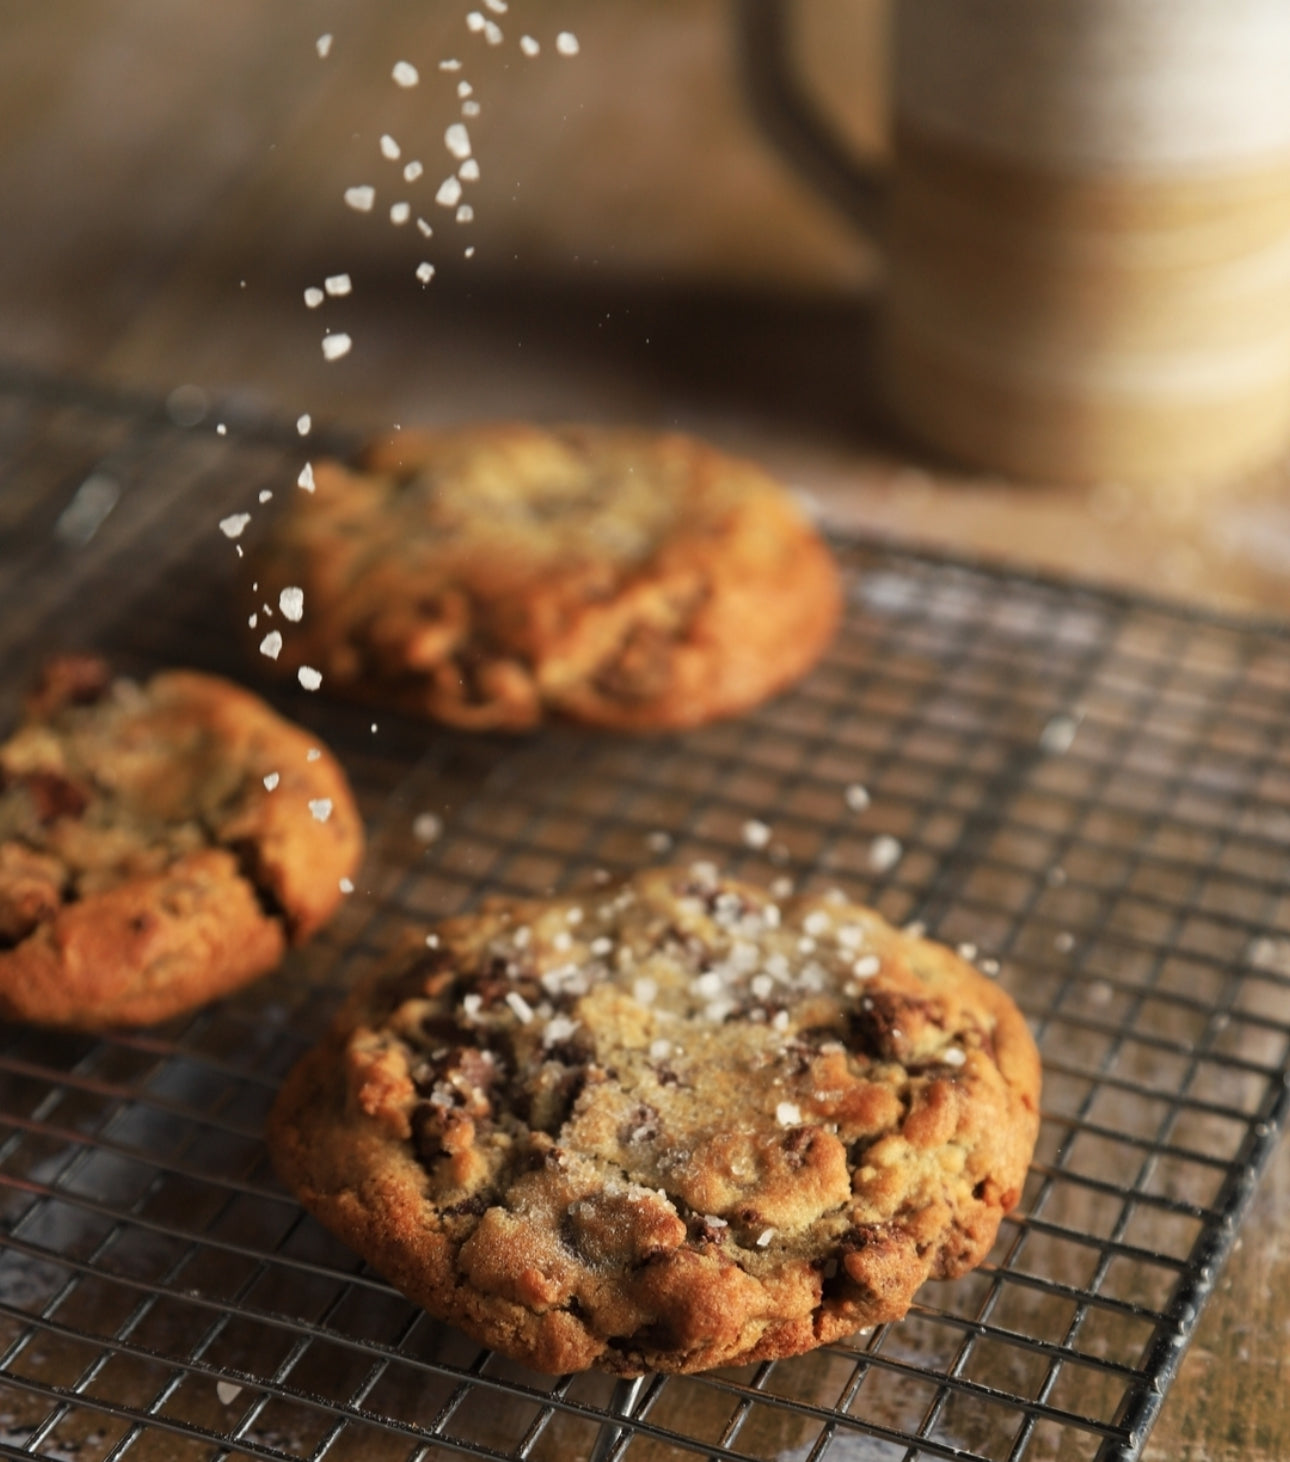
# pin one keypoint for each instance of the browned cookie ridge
(492, 576)
(668, 1125)
(160, 844)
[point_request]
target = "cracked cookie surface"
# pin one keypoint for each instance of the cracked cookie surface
(145, 865)
(669, 1125)
(492, 576)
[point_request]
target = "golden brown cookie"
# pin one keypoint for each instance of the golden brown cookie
(159, 845)
(669, 1125)
(491, 576)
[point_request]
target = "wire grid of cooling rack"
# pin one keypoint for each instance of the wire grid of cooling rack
(1091, 791)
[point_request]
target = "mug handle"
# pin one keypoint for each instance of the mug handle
(792, 121)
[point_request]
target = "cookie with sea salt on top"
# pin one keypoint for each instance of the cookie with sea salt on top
(668, 1125)
(493, 576)
(160, 845)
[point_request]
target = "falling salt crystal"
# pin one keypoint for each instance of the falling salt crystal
(310, 678)
(271, 781)
(337, 284)
(529, 46)
(229, 1391)
(334, 346)
(313, 296)
(390, 148)
(884, 853)
(425, 228)
(475, 21)
(523, 1010)
(457, 140)
(856, 797)
(347, 885)
(413, 171)
(468, 172)
(492, 33)
(465, 213)
(232, 526)
(450, 65)
(464, 89)
(567, 43)
(405, 73)
(321, 808)
(756, 834)
(1064, 942)
(469, 251)
(470, 109)
(271, 645)
(220, 429)
(306, 478)
(400, 212)
(955, 1056)
(265, 495)
(361, 197)
(425, 272)
(304, 424)
(449, 194)
(764, 1238)
(426, 827)
(91, 503)
(292, 604)
(788, 1114)
(432, 941)
(323, 44)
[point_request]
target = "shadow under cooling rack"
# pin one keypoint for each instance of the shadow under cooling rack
(1088, 794)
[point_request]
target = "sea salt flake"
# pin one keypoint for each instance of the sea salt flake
(644, 990)
(471, 1005)
(426, 230)
(432, 941)
(265, 494)
(954, 1056)
(334, 346)
(321, 808)
(788, 1114)
(601, 947)
(390, 148)
(449, 194)
(470, 109)
(314, 752)
(306, 478)
(529, 46)
(563, 941)
(310, 678)
(292, 604)
(475, 21)
(764, 1238)
(464, 89)
(856, 797)
(347, 885)
(271, 781)
(229, 1391)
(425, 272)
(323, 44)
(465, 213)
(450, 65)
(884, 853)
(468, 252)
(412, 171)
(660, 1049)
(520, 1006)
(361, 197)
(782, 888)
(427, 827)
(852, 936)
(817, 923)
(338, 284)
(1058, 735)
(967, 950)
(221, 430)
(756, 834)
(254, 620)
(1064, 942)
(400, 213)
(232, 526)
(498, 7)
(559, 1028)
(468, 172)
(709, 985)
(658, 841)
(915, 929)
(780, 1022)
(492, 33)
(405, 73)
(717, 1010)
(866, 967)
(304, 424)
(990, 967)
(271, 645)
(567, 43)
(457, 140)
(762, 986)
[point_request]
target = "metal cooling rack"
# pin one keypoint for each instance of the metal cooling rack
(1092, 790)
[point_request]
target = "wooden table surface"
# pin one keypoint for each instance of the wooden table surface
(172, 175)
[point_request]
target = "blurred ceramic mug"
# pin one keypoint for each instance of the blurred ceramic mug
(1085, 224)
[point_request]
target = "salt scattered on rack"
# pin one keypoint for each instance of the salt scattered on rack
(271, 781)
(412, 171)
(233, 525)
(427, 827)
(756, 834)
(334, 346)
(292, 604)
(304, 424)
(229, 1391)
(405, 73)
(338, 284)
(323, 44)
(313, 297)
(361, 197)
(884, 853)
(529, 46)
(310, 678)
(400, 213)
(449, 194)
(306, 478)
(425, 272)
(271, 645)
(390, 148)
(567, 43)
(320, 807)
(457, 140)
(856, 797)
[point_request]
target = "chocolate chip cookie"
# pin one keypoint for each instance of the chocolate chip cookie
(669, 1125)
(160, 844)
(492, 576)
